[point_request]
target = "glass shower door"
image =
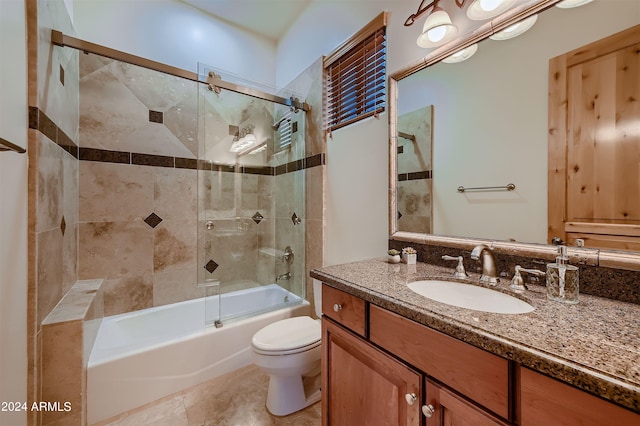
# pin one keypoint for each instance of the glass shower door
(250, 204)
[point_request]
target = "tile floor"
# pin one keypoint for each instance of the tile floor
(236, 399)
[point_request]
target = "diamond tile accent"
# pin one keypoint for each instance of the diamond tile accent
(63, 225)
(156, 116)
(211, 266)
(257, 218)
(153, 220)
(399, 215)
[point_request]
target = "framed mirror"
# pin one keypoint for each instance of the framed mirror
(490, 126)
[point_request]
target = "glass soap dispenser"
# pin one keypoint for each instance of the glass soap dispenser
(562, 279)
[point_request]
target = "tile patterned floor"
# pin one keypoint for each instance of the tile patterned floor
(236, 399)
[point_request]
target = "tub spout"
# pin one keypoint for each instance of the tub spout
(286, 276)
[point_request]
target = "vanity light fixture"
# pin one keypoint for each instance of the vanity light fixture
(438, 28)
(480, 10)
(516, 29)
(461, 55)
(567, 4)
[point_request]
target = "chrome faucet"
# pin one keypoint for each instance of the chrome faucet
(484, 254)
(286, 276)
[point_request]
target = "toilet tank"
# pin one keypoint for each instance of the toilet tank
(317, 297)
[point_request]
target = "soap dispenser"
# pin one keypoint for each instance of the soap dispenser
(562, 279)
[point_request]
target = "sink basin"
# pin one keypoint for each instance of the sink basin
(470, 297)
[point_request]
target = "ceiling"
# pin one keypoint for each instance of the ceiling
(269, 18)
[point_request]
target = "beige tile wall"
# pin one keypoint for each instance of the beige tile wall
(53, 181)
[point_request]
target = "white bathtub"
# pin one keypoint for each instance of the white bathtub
(142, 356)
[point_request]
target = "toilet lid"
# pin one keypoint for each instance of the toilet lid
(291, 333)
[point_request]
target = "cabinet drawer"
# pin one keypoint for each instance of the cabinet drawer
(346, 309)
(547, 401)
(477, 374)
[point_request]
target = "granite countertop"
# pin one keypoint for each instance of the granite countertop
(594, 345)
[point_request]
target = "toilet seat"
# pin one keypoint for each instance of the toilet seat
(289, 336)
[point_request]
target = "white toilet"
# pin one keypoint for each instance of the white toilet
(289, 351)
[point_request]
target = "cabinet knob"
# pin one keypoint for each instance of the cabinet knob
(337, 307)
(428, 410)
(411, 398)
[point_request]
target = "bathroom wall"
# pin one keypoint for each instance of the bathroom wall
(53, 175)
(138, 184)
(174, 33)
(13, 210)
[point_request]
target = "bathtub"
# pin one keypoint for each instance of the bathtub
(141, 356)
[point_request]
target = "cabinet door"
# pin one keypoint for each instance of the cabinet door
(444, 408)
(361, 385)
(547, 401)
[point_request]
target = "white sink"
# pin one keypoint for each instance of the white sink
(470, 297)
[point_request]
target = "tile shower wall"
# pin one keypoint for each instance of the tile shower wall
(137, 221)
(139, 226)
(414, 171)
(53, 182)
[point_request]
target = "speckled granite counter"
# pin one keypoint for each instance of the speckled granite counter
(594, 345)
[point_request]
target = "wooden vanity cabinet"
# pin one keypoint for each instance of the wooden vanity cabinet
(361, 385)
(443, 407)
(546, 401)
(374, 361)
(477, 374)
(364, 385)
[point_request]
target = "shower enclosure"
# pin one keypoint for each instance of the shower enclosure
(251, 194)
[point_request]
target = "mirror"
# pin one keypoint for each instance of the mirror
(490, 125)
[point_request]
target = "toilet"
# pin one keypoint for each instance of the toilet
(289, 351)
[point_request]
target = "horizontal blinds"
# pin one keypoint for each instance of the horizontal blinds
(356, 80)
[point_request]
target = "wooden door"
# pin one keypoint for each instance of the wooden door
(362, 385)
(594, 143)
(445, 408)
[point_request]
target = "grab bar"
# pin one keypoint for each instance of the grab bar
(407, 136)
(5, 145)
(508, 187)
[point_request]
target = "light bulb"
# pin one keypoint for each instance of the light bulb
(489, 5)
(436, 34)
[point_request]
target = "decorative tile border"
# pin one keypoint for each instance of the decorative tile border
(415, 176)
(38, 120)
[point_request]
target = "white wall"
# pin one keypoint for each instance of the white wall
(13, 210)
(174, 33)
(357, 156)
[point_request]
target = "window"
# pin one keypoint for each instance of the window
(356, 75)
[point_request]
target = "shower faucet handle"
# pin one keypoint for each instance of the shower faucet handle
(287, 257)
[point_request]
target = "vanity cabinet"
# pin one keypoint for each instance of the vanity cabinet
(477, 374)
(380, 368)
(443, 407)
(364, 386)
(546, 401)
